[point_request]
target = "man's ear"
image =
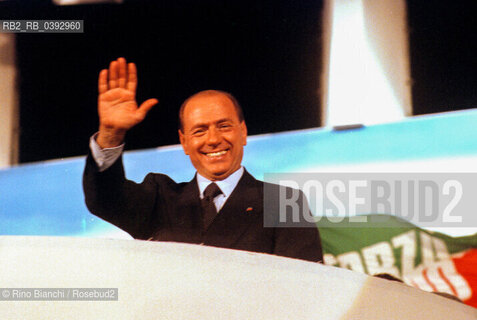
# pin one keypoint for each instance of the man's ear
(183, 141)
(243, 128)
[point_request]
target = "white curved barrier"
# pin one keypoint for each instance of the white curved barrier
(180, 281)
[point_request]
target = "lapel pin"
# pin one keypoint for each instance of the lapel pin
(249, 209)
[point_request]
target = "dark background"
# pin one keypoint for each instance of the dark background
(267, 53)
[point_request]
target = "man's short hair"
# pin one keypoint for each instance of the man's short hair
(237, 106)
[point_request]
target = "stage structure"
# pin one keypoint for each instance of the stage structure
(118, 279)
(366, 75)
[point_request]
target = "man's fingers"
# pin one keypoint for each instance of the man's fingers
(122, 73)
(132, 78)
(103, 81)
(146, 106)
(113, 75)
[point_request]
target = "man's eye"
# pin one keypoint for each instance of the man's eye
(225, 126)
(198, 132)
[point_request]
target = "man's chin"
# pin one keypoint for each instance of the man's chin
(218, 174)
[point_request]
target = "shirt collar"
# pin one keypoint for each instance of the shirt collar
(227, 185)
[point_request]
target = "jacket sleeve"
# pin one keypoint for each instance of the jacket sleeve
(124, 203)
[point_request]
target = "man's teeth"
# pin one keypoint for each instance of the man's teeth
(216, 154)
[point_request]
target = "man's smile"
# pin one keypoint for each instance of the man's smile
(215, 154)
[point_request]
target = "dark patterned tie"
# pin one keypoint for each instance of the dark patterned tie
(208, 205)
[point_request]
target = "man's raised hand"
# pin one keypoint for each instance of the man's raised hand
(117, 107)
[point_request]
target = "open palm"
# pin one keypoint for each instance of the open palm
(117, 107)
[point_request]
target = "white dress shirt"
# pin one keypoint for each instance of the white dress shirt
(226, 186)
(104, 158)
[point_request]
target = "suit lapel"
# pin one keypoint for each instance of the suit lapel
(243, 207)
(188, 211)
(183, 220)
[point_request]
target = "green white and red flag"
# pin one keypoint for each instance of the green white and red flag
(423, 259)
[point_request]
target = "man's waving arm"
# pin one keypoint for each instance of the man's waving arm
(108, 193)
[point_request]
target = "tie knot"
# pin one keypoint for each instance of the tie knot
(212, 191)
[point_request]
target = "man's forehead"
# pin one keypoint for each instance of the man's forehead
(207, 104)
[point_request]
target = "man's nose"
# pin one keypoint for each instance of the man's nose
(213, 136)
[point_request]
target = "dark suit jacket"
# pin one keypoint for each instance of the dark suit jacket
(163, 210)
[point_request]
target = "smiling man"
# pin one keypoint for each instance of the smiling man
(221, 206)
(212, 133)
